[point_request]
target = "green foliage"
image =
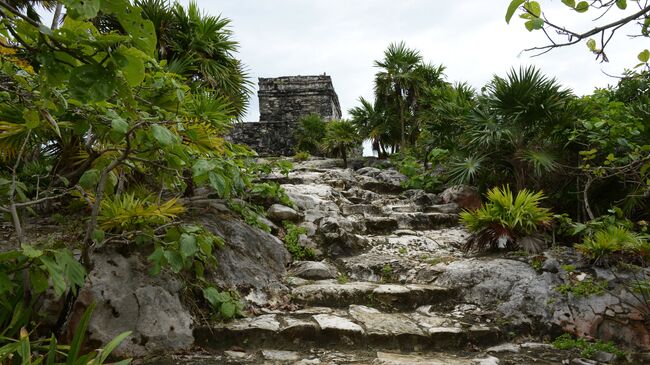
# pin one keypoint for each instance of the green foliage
(185, 247)
(24, 350)
(225, 304)
(615, 243)
(587, 349)
(342, 279)
(310, 133)
(291, 238)
(583, 289)
(269, 193)
(418, 178)
(250, 213)
(341, 136)
(301, 156)
(531, 12)
(128, 213)
(507, 221)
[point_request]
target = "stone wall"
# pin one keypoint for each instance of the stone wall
(266, 138)
(291, 97)
(283, 101)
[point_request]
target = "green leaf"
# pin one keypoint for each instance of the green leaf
(74, 272)
(81, 9)
(163, 135)
(228, 309)
(591, 44)
(142, 31)
(118, 125)
(175, 261)
(92, 83)
(98, 235)
(205, 243)
(56, 275)
(218, 183)
(79, 334)
(156, 258)
(534, 8)
(25, 351)
(39, 281)
(30, 251)
(188, 245)
(133, 69)
(622, 4)
(89, 179)
(201, 167)
(512, 8)
(582, 7)
(570, 3)
(644, 56)
(106, 351)
(51, 352)
(534, 24)
(215, 297)
(32, 118)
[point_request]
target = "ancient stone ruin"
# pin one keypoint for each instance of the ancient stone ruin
(283, 101)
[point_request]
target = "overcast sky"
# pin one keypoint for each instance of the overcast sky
(343, 37)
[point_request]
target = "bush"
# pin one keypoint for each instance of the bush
(507, 222)
(301, 156)
(615, 244)
(587, 349)
(310, 133)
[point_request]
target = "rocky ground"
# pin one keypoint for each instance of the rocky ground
(389, 285)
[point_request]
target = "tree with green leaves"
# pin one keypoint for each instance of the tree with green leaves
(341, 137)
(93, 124)
(199, 47)
(310, 133)
(636, 12)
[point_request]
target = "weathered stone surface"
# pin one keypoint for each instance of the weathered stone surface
(328, 322)
(313, 270)
(384, 358)
(381, 295)
(129, 299)
(283, 101)
(251, 259)
(278, 355)
(384, 324)
(279, 213)
(464, 196)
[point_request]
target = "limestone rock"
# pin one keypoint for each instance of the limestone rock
(313, 270)
(464, 196)
(251, 259)
(279, 213)
(129, 299)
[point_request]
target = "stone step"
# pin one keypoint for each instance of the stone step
(376, 210)
(417, 221)
(357, 327)
(269, 356)
(385, 296)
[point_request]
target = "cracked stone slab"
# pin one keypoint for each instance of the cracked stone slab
(328, 322)
(266, 322)
(384, 358)
(384, 324)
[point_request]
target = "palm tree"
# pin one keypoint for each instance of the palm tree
(340, 137)
(397, 80)
(310, 133)
(199, 47)
(373, 121)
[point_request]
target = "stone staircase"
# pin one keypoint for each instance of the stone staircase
(380, 305)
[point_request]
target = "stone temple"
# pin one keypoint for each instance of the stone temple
(283, 101)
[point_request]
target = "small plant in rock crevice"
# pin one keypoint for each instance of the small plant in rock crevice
(291, 240)
(615, 244)
(583, 289)
(506, 221)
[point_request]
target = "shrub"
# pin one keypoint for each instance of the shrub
(507, 222)
(310, 133)
(615, 244)
(301, 156)
(587, 349)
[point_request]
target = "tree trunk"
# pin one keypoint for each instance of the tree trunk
(57, 16)
(344, 154)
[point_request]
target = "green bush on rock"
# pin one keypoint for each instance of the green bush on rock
(507, 222)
